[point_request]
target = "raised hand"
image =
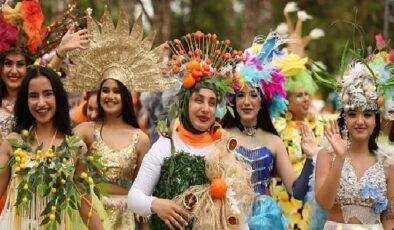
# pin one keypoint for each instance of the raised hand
(172, 214)
(337, 141)
(308, 140)
(73, 40)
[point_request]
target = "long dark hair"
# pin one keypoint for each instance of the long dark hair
(264, 121)
(128, 114)
(23, 117)
(372, 145)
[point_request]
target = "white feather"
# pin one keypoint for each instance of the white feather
(303, 16)
(385, 153)
(290, 7)
(282, 28)
(316, 33)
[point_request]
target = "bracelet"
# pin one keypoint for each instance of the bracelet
(58, 55)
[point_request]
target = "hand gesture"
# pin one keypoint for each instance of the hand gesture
(308, 140)
(337, 141)
(172, 214)
(73, 40)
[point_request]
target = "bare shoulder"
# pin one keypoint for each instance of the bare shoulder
(142, 137)
(84, 128)
(13, 135)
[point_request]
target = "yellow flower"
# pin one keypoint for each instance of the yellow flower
(17, 169)
(53, 208)
(64, 160)
(52, 217)
(90, 158)
(53, 190)
(84, 175)
(12, 15)
(62, 181)
(17, 159)
(25, 133)
(90, 180)
(24, 200)
(291, 64)
(295, 203)
(26, 187)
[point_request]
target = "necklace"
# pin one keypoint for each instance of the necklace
(53, 138)
(248, 131)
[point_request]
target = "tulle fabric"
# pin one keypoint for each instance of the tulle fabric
(266, 215)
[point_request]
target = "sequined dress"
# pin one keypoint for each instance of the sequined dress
(364, 198)
(6, 122)
(119, 166)
(266, 213)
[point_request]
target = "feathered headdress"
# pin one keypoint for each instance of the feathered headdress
(22, 29)
(257, 70)
(118, 54)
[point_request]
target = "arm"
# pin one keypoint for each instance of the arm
(70, 41)
(140, 199)
(329, 172)
(85, 131)
(142, 148)
(86, 210)
(5, 171)
(388, 214)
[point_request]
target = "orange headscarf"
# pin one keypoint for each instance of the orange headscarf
(199, 140)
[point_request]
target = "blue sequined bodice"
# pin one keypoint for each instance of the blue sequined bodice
(262, 162)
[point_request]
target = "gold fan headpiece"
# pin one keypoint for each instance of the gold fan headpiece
(118, 54)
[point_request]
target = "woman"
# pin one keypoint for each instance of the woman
(115, 136)
(43, 110)
(354, 178)
(16, 55)
(260, 95)
(181, 163)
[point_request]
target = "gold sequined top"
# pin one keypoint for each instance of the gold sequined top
(6, 123)
(119, 164)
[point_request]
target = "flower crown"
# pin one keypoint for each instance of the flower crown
(257, 70)
(22, 29)
(199, 60)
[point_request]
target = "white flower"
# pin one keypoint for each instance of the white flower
(89, 11)
(290, 7)
(282, 28)
(303, 16)
(316, 33)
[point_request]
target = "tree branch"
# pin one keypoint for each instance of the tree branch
(145, 12)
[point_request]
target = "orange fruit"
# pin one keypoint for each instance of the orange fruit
(188, 81)
(193, 65)
(379, 101)
(218, 188)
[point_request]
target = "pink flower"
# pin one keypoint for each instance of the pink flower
(380, 43)
(8, 35)
(391, 56)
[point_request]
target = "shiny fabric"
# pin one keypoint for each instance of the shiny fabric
(119, 166)
(331, 225)
(6, 123)
(266, 215)
(262, 162)
(363, 198)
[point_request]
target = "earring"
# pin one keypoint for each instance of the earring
(288, 116)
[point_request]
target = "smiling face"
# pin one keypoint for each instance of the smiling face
(248, 104)
(41, 100)
(202, 107)
(298, 104)
(110, 98)
(360, 124)
(13, 70)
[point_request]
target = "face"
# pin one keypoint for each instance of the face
(360, 124)
(298, 104)
(248, 103)
(13, 71)
(41, 100)
(110, 98)
(92, 108)
(202, 107)
(389, 107)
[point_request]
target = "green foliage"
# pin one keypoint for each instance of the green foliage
(50, 176)
(179, 172)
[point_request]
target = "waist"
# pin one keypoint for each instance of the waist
(111, 201)
(335, 225)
